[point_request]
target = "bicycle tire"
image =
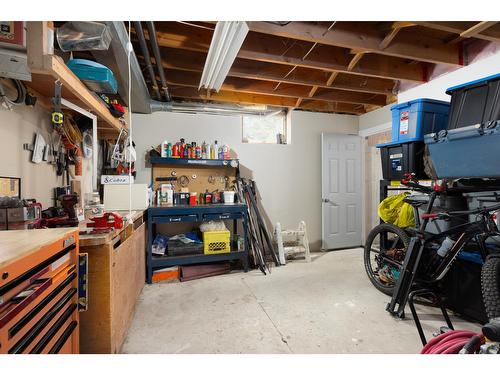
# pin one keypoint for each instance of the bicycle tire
(490, 286)
(389, 290)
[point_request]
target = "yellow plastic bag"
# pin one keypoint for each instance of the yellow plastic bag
(395, 211)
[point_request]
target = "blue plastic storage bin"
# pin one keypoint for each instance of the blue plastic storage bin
(471, 151)
(413, 119)
(95, 76)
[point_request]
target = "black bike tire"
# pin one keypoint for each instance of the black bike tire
(371, 236)
(490, 286)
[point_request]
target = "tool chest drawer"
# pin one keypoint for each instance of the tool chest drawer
(39, 306)
(223, 216)
(175, 218)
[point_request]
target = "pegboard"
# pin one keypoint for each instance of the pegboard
(201, 183)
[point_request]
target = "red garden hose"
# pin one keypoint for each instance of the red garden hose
(451, 342)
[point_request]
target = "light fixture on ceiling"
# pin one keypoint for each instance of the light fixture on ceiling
(226, 42)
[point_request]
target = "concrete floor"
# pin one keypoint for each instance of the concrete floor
(327, 306)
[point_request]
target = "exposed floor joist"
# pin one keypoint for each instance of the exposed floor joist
(491, 34)
(194, 61)
(328, 66)
(473, 31)
(265, 48)
(366, 39)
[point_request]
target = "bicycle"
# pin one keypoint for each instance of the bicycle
(407, 260)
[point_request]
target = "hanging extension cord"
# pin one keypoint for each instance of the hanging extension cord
(9, 103)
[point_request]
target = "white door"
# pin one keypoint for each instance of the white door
(341, 190)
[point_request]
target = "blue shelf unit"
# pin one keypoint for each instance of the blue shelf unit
(195, 162)
(175, 214)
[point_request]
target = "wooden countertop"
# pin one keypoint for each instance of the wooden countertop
(101, 239)
(15, 244)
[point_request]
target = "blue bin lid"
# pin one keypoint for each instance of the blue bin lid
(480, 80)
(421, 100)
(85, 63)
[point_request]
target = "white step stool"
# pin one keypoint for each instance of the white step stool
(292, 242)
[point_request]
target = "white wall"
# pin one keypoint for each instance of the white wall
(17, 127)
(288, 176)
(380, 120)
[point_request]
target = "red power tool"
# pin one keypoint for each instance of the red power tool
(106, 222)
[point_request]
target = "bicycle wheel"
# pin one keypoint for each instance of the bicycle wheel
(490, 286)
(385, 250)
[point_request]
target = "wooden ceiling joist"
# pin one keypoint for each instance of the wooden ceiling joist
(192, 79)
(265, 48)
(243, 98)
(231, 97)
(491, 33)
(366, 39)
(314, 105)
(194, 61)
(473, 31)
(339, 67)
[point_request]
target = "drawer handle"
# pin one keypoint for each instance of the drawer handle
(39, 307)
(223, 216)
(64, 337)
(54, 329)
(22, 302)
(26, 340)
(175, 219)
(33, 271)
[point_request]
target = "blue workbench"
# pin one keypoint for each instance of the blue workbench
(182, 213)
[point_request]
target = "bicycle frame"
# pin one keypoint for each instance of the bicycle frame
(478, 230)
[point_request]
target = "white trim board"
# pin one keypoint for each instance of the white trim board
(376, 129)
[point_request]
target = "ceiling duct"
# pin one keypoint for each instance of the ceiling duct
(116, 59)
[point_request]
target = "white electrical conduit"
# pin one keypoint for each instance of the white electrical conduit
(130, 48)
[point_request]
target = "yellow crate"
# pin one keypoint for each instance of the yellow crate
(216, 242)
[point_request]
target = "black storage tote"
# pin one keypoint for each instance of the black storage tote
(475, 102)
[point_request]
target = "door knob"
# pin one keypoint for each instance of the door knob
(326, 200)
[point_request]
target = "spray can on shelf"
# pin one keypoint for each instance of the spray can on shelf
(175, 150)
(225, 152)
(164, 147)
(181, 147)
(215, 152)
(186, 151)
(204, 150)
(192, 150)
(198, 152)
(221, 153)
(209, 150)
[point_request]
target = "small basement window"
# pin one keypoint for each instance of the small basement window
(271, 128)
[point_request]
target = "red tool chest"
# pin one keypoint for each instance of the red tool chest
(39, 291)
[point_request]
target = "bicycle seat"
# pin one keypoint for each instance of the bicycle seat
(414, 202)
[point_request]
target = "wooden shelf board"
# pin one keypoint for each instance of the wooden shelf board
(72, 89)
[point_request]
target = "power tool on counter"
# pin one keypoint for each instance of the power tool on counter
(64, 216)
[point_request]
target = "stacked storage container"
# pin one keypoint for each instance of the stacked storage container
(469, 146)
(410, 122)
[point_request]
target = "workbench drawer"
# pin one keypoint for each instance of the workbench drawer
(223, 216)
(175, 218)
